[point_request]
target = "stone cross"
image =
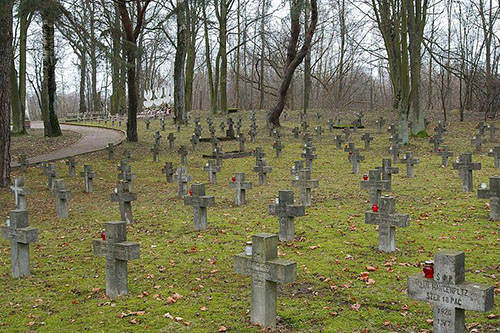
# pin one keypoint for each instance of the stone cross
(444, 153)
(375, 185)
(182, 178)
(252, 133)
(318, 116)
(495, 153)
(465, 167)
(62, 196)
(162, 124)
(111, 150)
(222, 126)
(52, 173)
(20, 193)
(219, 155)
(266, 270)
(212, 168)
(128, 155)
(387, 220)
(410, 162)
(331, 125)
(395, 139)
(240, 186)
(304, 126)
(309, 156)
(295, 132)
(117, 251)
(392, 129)
(259, 154)
(286, 211)
(481, 126)
(89, 176)
(20, 236)
(388, 170)
(394, 150)
(198, 199)
(214, 141)
(492, 129)
(241, 141)
(195, 140)
(380, 124)
(278, 146)
(339, 141)
(296, 167)
(477, 141)
(157, 137)
(230, 128)
(168, 170)
(125, 173)
(347, 133)
(23, 162)
(440, 129)
(318, 131)
(44, 166)
(304, 182)
(349, 148)
(493, 193)
(155, 149)
(450, 294)
(356, 159)
(263, 169)
(183, 152)
(171, 140)
(123, 195)
(148, 122)
(367, 139)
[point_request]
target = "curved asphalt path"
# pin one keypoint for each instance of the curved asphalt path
(93, 139)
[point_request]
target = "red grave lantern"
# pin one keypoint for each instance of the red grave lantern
(429, 269)
(365, 177)
(274, 144)
(439, 149)
(190, 192)
(375, 208)
(233, 179)
(103, 235)
(345, 146)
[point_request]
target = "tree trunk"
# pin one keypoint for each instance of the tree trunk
(223, 55)
(83, 77)
(212, 91)
(17, 125)
(262, 54)
(179, 63)
(307, 68)
(191, 55)
(116, 63)
(5, 66)
(24, 23)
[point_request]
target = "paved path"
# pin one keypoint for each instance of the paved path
(93, 139)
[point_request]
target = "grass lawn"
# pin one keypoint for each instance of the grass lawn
(184, 280)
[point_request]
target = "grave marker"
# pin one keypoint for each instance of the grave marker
(123, 195)
(23, 162)
(241, 141)
(493, 193)
(155, 149)
(410, 162)
(240, 186)
(375, 185)
(62, 196)
(278, 146)
(465, 167)
(495, 153)
(168, 171)
(339, 141)
(171, 140)
(263, 169)
(477, 141)
(356, 159)
(296, 167)
(195, 140)
(286, 211)
(296, 132)
(89, 176)
(111, 150)
(183, 152)
(51, 173)
(367, 139)
(20, 193)
(380, 124)
(198, 199)
(309, 156)
(182, 178)
(304, 182)
(445, 154)
(492, 129)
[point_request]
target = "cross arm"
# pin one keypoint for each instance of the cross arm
(243, 264)
(206, 201)
(20, 235)
(486, 194)
(465, 295)
(295, 210)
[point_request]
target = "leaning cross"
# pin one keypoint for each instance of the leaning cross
(266, 271)
(89, 176)
(465, 167)
(450, 294)
(387, 220)
(304, 182)
(199, 201)
(375, 185)
(20, 193)
(286, 211)
(240, 186)
(493, 194)
(117, 251)
(124, 197)
(20, 236)
(410, 162)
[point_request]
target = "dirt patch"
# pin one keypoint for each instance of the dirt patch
(35, 143)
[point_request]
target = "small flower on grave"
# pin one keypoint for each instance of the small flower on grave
(274, 144)
(103, 235)
(484, 186)
(365, 177)
(191, 192)
(7, 222)
(429, 269)
(375, 208)
(233, 179)
(345, 146)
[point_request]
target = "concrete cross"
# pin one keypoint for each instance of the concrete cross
(20, 193)
(20, 236)
(387, 220)
(349, 148)
(481, 126)
(259, 154)
(394, 151)
(392, 129)
(23, 162)
(128, 155)
(304, 126)
(445, 153)
(331, 125)
(318, 116)
(388, 170)
(477, 141)
(286, 211)
(155, 149)
(195, 140)
(252, 133)
(230, 128)
(304, 182)
(168, 170)
(126, 174)
(117, 251)
(44, 167)
(450, 294)
(222, 126)
(171, 140)
(296, 167)
(62, 195)
(339, 141)
(111, 150)
(380, 124)
(266, 270)
(212, 168)
(410, 162)
(295, 132)
(162, 124)
(465, 167)
(89, 176)
(367, 139)
(375, 185)
(495, 153)
(263, 169)
(395, 139)
(183, 152)
(157, 137)
(240, 186)
(219, 155)
(318, 131)
(198, 199)
(492, 129)
(238, 127)
(182, 178)
(347, 133)
(278, 146)
(123, 195)
(52, 173)
(241, 141)
(309, 155)
(356, 159)
(148, 122)
(493, 193)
